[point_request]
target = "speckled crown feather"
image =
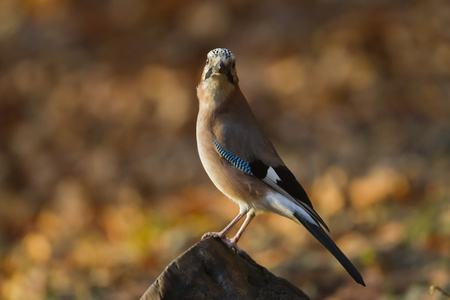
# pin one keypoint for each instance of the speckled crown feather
(222, 52)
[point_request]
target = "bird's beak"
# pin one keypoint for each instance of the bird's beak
(220, 68)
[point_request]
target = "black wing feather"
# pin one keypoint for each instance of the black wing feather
(287, 183)
(290, 184)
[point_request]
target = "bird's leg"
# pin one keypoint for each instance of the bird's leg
(232, 242)
(224, 232)
(247, 221)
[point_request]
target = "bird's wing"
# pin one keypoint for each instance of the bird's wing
(283, 181)
(278, 178)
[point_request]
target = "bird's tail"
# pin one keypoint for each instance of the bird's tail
(320, 234)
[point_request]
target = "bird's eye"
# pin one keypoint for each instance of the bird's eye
(207, 61)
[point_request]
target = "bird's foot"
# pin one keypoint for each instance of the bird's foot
(213, 234)
(231, 243)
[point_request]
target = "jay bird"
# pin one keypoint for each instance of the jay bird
(242, 162)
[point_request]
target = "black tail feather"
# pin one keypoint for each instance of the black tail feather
(323, 238)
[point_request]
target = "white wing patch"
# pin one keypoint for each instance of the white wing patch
(272, 176)
(272, 180)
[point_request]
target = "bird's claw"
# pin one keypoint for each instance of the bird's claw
(212, 234)
(231, 243)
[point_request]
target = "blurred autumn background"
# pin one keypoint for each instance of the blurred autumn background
(100, 182)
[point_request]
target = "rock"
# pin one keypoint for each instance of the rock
(212, 270)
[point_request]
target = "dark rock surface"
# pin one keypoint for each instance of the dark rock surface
(211, 270)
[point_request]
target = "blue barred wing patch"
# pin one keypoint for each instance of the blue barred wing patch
(232, 158)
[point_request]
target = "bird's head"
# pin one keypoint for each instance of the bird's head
(220, 66)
